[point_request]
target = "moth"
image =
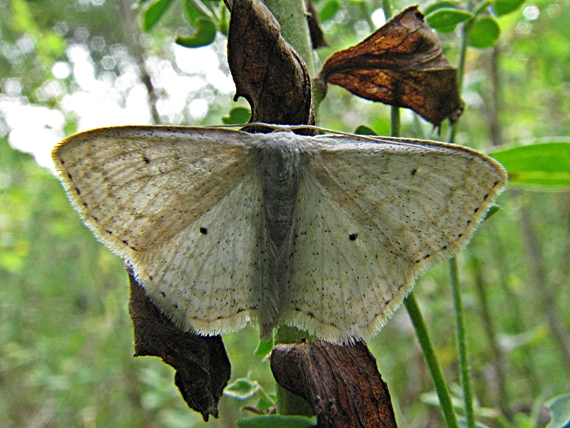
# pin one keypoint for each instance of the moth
(327, 233)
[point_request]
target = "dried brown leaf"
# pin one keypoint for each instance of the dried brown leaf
(340, 382)
(401, 64)
(315, 31)
(201, 363)
(267, 71)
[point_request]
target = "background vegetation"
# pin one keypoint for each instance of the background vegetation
(65, 335)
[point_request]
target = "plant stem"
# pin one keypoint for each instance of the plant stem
(498, 357)
(453, 269)
(394, 121)
(461, 343)
(461, 66)
(294, 28)
(547, 296)
(514, 309)
(387, 7)
(287, 402)
(431, 361)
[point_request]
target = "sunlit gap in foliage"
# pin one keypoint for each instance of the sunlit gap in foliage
(111, 93)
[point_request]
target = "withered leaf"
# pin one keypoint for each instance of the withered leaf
(401, 64)
(340, 382)
(267, 71)
(201, 363)
(317, 37)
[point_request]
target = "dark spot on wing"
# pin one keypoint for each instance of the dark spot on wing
(78, 191)
(203, 231)
(353, 236)
(70, 176)
(413, 171)
(128, 245)
(146, 160)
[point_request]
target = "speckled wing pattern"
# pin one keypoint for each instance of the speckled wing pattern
(372, 215)
(185, 207)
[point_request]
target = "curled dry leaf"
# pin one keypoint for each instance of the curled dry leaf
(402, 64)
(267, 71)
(201, 363)
(317, 37)
(340, 382)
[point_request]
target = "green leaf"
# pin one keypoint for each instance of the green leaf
(241, 389)
(264, 404)
(559, 408)
(237, 116)
(484, 33)
(364, 130)
(223, 22)
(492, 211)
(196, 9)
(265, 346)
(439, 5)
(329, 10)
(277, 421)
(192, 12)
(542, 165)
(446, 19)
(503, 7)
(204, 35)
(154, 12)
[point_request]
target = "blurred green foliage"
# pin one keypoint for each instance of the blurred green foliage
(65, 335)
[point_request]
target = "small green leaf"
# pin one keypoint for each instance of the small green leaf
(484, 33)
(237, 116)
(504, 7)
(154, 12)
(264, 404)
(223, 22)
(277, 421)
(559, 408)
(446, 19)
(543, 165)
(364, 130)
(265, 346)
(241, 389)
(329, 10)
(193, 12)
(492, 211)
(204, 35)
(439, 5)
